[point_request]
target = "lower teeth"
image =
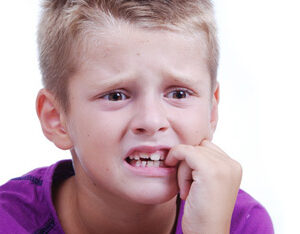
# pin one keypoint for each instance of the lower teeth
(140, 163)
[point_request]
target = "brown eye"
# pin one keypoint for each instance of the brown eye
(115, 96)
(178, 94)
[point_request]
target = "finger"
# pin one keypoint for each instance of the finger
(174, 156)
(208, 144)
(184, 179)
(180, 153)
(215, 151)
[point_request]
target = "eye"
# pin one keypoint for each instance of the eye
(179, 94)
(115, 96)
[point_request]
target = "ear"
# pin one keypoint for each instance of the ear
(214, 109)
(52, 119)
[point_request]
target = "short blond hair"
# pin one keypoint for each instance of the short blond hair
(64, 26)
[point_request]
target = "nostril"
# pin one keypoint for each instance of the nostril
(162, 129)
(140, 130)
(150, 131)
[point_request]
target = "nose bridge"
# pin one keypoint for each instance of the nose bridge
(150, 115)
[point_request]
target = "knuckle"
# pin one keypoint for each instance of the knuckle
(236, 172)
(237, 167)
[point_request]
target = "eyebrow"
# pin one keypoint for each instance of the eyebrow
(182, 79)
(124, 79)
(115, 81)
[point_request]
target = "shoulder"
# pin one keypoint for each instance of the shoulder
(249, 216)
(26, 202)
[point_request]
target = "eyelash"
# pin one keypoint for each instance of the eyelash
(123, 96)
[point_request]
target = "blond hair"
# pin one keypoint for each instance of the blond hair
(65, 24)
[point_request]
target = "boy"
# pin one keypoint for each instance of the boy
(131, 91)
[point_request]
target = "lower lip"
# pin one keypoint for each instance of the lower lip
(151, 171)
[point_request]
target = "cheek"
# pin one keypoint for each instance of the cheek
(95, 143)
(99, 135)
(192, 126)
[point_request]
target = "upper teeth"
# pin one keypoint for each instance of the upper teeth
(154, 156)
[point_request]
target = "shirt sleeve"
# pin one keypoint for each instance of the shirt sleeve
(250, 217)
(257, 221)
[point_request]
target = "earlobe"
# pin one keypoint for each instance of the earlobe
(52, 120)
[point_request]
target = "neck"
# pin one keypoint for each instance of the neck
(80, 210)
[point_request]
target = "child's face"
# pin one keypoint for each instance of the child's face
(138, 92)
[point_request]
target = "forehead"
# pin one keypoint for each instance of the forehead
(130, 50)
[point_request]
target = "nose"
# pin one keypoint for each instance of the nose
(150, 118)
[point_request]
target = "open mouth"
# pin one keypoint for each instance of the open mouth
(142, 159)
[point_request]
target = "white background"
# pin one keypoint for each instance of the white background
(259, 109)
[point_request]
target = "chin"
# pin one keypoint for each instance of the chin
(152, 194)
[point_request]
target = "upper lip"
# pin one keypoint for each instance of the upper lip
(147, 149)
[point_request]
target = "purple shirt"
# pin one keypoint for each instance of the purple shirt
(26, 205)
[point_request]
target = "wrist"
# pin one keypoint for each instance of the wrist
(206, 228)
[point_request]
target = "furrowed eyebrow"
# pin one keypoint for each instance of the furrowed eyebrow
(182, 79)
(124, 79)
(113, 82)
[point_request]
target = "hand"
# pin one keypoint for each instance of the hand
(209, 181)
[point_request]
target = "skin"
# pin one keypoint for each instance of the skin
(141, 88)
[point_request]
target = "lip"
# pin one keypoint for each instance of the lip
(149, 171)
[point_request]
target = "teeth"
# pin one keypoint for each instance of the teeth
(138, 163)
(155, 157)
(150, 164)
(144, 156)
